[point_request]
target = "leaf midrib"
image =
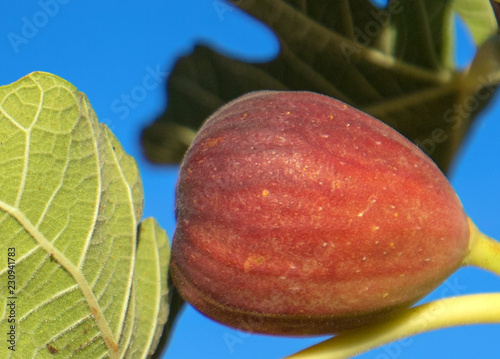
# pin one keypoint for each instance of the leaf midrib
(80, 280)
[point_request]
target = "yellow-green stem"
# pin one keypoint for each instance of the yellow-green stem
(484, 251)
(443, 313)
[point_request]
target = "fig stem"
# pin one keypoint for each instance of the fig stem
(443, 313)
(484, 252)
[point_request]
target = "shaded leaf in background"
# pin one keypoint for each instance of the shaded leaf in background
(70, 203)
(395, 63)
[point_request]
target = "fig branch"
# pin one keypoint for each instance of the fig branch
(443, 313)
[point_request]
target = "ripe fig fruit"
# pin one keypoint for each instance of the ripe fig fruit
(298, 215)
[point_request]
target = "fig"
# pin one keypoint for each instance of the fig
(300, 215)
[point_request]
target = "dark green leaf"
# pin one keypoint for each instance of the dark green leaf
(395, 63)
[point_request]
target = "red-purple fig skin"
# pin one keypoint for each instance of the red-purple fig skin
(299, 215)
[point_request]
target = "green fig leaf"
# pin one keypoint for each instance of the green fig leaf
(70, 204)
(479, 17)
(395, 63)
(151, 311)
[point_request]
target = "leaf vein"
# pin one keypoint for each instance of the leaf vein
(27, 147)
(74, 272)
(48, 301)
(133, 254)
(98, 198)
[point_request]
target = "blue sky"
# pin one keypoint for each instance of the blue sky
(111, 50)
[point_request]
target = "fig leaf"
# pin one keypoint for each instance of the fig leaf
(83, 280)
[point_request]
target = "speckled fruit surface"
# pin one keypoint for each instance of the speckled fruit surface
(298, 215)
